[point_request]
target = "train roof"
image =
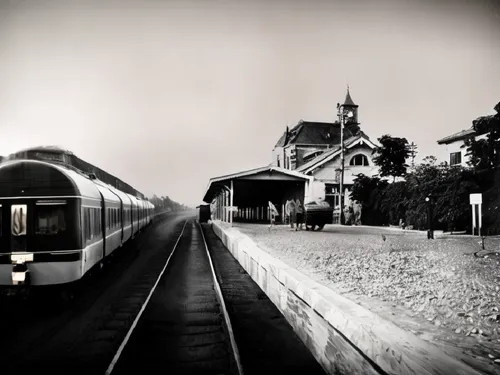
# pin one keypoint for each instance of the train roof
(123, 196)
(135, 200)
(33, 178)
(106, 192)
(56, 154)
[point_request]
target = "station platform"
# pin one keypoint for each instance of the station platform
(345, 331)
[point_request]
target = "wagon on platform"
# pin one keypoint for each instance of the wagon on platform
(316, 215)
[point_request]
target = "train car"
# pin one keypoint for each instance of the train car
(51, 220)
(142, 215)
(110, 220)
(57, 223)
(135, 215)
(147, 211)
(124, 214)
(150, 212)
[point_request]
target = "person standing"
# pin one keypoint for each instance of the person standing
(300, 214)
(290, 210)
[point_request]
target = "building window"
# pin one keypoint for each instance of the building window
(278, 160)
(359, 159)
(455, 158)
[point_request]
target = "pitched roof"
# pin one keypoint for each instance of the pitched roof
(282, 141)
(457, 136)
(312, 152)
(313, 133)
(331, 153)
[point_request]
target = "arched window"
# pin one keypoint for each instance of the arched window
(359, 159)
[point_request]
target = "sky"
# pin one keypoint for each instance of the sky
(167, 94)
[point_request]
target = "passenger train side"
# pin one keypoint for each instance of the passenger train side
(56, 222)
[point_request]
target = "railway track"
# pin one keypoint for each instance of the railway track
(185, 327)
(190, 309)
(43, 334)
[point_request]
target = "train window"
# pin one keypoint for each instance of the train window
(50, 219)
(108, 218)
(98, 220)
(18, 219)
(1, 213)
(92, 223)
(98, 228)
(86, 220)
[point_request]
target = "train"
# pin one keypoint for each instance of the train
(57, 222)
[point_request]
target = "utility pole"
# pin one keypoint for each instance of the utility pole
(342, 115)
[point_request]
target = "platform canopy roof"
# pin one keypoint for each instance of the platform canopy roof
(267, 173)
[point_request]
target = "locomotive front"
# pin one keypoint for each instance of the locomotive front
(41, 240)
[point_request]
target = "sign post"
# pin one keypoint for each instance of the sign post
(476, 200)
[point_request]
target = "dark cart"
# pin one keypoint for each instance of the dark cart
(317, 215)
(203, 213)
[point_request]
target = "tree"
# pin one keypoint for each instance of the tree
(485, 153)
(391, 156)
(367, 191)
(166, 204)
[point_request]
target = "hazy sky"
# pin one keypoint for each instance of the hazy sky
(166, 94)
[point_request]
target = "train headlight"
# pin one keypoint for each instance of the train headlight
(20, 274)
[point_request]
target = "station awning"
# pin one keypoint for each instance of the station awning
(249, 183)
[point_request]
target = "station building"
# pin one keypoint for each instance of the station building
(313, 148)
(306, 164)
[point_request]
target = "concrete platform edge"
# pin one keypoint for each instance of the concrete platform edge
(344, 337)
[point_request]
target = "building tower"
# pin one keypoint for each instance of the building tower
(349, 106)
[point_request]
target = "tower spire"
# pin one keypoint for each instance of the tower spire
(349, 106)
(348, 100)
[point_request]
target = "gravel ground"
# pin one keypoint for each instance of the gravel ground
(438, 287)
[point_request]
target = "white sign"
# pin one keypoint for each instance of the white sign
(476, 198)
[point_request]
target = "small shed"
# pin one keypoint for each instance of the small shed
(245, 196)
